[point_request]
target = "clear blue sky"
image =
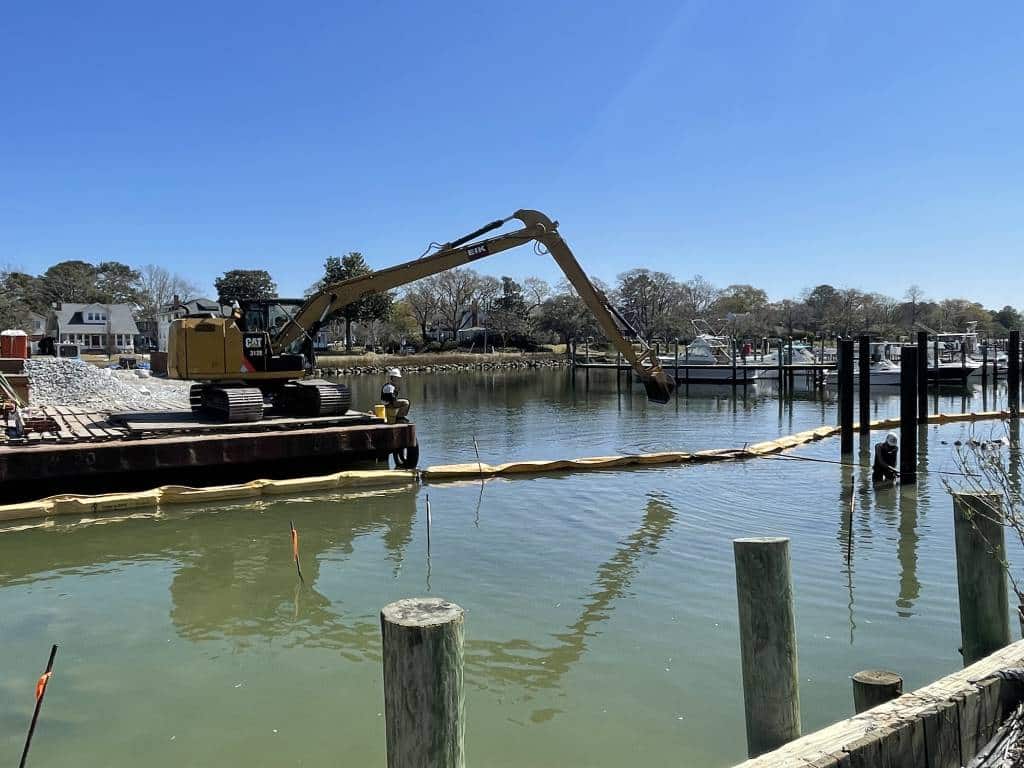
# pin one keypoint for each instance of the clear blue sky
(864, 144)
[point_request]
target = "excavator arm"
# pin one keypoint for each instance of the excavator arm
(536, 228)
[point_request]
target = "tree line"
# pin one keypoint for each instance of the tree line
(520, 313)
(147, 288)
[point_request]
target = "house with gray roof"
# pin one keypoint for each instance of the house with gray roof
(95, 328)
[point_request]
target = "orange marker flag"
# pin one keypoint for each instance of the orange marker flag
(41, 684)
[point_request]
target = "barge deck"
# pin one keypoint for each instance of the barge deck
(89, 451)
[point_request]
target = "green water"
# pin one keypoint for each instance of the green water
(601, 616)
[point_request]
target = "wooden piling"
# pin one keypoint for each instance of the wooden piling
(922, 375)
(1013, 372)
(872, 687)
(864, 383)
(908, 415)
(980, 573)
(424, 702)
(846, 396)
(984, 367)
(771, 692)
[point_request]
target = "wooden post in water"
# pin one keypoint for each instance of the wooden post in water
(864, 383)
(980, 574)
(618, 372)
(984, 367)
(845, 396)
(771, 691)
(908, 415)
(872, 687)
(424, 702)
(922, 375)
(1013, 372)
(935, 354)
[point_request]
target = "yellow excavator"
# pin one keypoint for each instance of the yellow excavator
(261, 354)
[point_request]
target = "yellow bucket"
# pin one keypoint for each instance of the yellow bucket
(380, 411)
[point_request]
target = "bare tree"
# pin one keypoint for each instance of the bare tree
(457, 289)
(423, 299)
(158, 287)
(535, 292)
(699, 294)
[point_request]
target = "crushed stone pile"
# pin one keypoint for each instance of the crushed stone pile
(66, 381)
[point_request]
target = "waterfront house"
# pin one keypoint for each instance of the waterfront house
(96, 328)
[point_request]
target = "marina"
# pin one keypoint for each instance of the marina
(596, 558)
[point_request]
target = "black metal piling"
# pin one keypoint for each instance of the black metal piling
(846, 395)
(1013, 372)
(908, 415)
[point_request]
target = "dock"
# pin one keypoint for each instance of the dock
(76, 450)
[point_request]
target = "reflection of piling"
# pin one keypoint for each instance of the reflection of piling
(424, 702)
(846, 396)
(864, 383)
(908, 415)
(922, 375)
(872, 687)
(980, 573)
(771, 692)
(1013, 371)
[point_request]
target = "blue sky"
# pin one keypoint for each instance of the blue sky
(870, 145)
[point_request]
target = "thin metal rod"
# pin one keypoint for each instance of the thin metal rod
(40, 693)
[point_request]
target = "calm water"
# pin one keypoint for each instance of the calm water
(601, 614)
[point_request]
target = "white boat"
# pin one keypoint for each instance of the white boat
(769, 364)
(706, 350)
(884, 371)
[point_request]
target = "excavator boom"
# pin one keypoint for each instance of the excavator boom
(536, 227)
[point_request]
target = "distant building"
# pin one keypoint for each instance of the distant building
(178, 308)
(95, 328)
(36, 326)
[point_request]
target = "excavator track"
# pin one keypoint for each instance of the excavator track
(233, 404)
(314, 397)
(195, 397)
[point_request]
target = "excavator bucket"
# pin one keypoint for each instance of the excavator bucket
(660, 387)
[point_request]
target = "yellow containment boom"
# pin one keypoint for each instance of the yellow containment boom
(537, 228)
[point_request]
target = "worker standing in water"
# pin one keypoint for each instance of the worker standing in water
(389, 395)
(884, 469)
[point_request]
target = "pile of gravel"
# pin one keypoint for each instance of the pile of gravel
(66, 381)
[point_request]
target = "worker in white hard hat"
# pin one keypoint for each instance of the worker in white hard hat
(886, 453)
(398, 406)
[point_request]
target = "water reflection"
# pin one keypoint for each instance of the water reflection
(534, 666)
(234, 586)
(906, 551)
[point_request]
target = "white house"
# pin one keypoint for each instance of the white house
(97, 328)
